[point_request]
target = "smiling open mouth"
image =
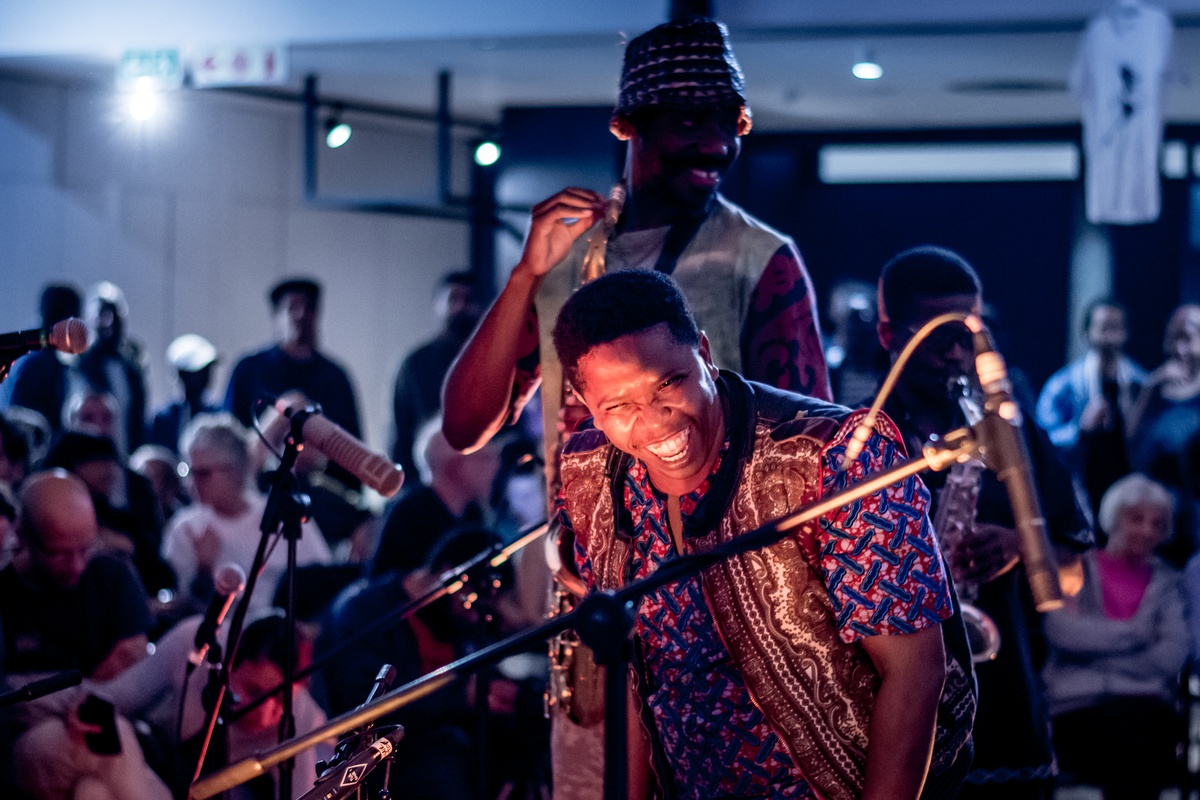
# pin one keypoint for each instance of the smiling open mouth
(672, 449)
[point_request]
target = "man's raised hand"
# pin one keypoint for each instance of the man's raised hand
(557, 222)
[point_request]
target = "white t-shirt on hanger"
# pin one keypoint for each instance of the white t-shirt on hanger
(1118, 76)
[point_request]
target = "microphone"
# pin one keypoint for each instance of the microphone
(339, 782)
(36, 689)
(1006, 454)
(374, 469)
(228, 582)
(68, 336)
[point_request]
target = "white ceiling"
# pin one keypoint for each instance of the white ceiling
(946, 62)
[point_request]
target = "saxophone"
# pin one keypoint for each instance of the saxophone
(576, 685)
(957, 503)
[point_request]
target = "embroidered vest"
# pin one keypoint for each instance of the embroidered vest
(771, 606)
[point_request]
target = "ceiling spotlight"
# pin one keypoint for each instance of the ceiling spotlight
(865, 67)
(337, 133)
(143, 100)
(487, 153)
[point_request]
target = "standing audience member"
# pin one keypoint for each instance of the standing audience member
(454, 490)
(62, 604)
(417, 394)
(295, 362)
(1168, 410)
(1116, 652)
(856, 361)
(40, 380)
(192, 357)
(1013, 752)
(222, 524)
(1085, 406)
(1166, 428)
(113, 364)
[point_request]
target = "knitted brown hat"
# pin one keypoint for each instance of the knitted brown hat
(686, 65)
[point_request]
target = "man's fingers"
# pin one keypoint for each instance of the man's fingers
(570, 194)
(568, 210)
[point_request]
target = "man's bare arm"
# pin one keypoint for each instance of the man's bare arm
(912, 669)
(478, 389)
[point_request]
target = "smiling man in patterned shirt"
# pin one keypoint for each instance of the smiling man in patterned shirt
(822, 666)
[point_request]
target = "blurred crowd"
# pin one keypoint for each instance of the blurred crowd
(116, 521)
(119, 524)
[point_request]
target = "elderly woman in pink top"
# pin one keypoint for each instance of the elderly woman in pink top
(1117, 649)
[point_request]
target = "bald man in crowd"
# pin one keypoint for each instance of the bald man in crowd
(62, 604)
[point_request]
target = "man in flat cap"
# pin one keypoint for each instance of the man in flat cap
(682, 109)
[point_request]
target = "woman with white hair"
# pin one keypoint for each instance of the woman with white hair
(221, 525)
(1117, 649)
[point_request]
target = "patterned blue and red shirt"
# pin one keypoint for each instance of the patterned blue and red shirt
(884, 575)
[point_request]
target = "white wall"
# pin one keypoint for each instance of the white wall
(195, 214)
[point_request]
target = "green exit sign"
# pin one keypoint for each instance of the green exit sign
(155, 69)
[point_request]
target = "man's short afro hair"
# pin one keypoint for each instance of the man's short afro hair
(616, 305)
(923, 272)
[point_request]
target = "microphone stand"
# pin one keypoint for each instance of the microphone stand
(449, 582)
(287, 508)
(284, 502)
(604, 621)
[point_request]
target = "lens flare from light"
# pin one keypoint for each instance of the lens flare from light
(338, 135)
(867, 71)
(487, 153)
(142, 104)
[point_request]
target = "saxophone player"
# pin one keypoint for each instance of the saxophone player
(682, 110)
(1013, 754)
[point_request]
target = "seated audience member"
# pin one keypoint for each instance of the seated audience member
(14, 454)
(519, 502)
(192, 357)
(151, 692)
(222, 524)
(8, 528)
(126, 507)
(454, 490)
(1085, 406)
(1116, 652)
(35, 430)
(40, 380)
(63, 605)
(160, 466)
(437, 758)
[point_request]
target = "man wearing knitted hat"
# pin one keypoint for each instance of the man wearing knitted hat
(682, 109)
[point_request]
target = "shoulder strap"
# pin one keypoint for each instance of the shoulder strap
(679, 236)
